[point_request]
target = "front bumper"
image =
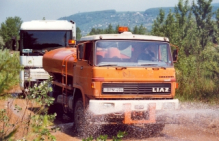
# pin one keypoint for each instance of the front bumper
(36, 74)
(32, 75)
(127, 108)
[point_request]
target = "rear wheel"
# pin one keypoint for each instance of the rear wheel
(56, 108)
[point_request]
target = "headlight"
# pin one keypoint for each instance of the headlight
(27, 73)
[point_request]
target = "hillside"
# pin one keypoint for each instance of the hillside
(101, 19)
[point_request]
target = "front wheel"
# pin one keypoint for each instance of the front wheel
(156, 128)
(82, 121)
(79, 117)
(147, 130)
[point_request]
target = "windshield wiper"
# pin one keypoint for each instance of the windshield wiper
(146, 64)
(108, 65)
(162, 67)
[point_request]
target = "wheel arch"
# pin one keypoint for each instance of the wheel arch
(78, 93)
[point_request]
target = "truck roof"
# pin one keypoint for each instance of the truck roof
(124, 35)
(47, 25)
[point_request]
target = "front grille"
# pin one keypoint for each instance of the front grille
(139, 88)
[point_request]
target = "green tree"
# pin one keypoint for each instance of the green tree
(10, 28)
(78, 34)
(1, 43)
(157, 28)
(217, 25)
(166, 27)
(95, 31)
(217, 17)
(170, 28)
(110, 30)
(139, 30)
(135, 30)
(117, 29)
(183, 15)
(92, 32)
(182, 10)
(9, 70)
(187, 36)
(179, 27)
(203, 14)
(142, 30)
(198, 59)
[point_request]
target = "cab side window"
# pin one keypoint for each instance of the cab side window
(85, 52)
(81, 52)
(88, 54)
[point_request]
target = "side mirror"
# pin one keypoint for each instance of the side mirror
(175, 55)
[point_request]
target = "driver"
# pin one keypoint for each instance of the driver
(147, 55)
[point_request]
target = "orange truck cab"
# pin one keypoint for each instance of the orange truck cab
(125, 78)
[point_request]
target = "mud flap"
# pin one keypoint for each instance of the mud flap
(127, 115)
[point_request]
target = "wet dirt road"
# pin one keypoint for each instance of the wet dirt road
(195, 122)
(171, 132)
(192, 122)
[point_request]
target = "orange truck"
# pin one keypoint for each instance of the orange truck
(114, 79)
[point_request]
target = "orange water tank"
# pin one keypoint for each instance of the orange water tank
(60, 61)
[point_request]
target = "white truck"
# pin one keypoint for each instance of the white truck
(37, 37)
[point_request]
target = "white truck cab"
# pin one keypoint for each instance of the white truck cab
(37, 37)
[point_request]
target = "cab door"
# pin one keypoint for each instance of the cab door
(83, 67)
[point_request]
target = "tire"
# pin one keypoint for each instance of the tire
(56, 108)
(82, 121)
(79, 117)
(157, 128)
(148, 130)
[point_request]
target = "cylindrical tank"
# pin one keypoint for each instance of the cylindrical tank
(56, 61)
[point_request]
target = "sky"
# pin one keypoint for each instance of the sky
(53, 9)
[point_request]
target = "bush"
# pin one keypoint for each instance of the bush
(198, 75)
(9, 70)
(34, 121)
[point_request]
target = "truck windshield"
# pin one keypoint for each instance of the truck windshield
(36, 42)
(133, 53)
